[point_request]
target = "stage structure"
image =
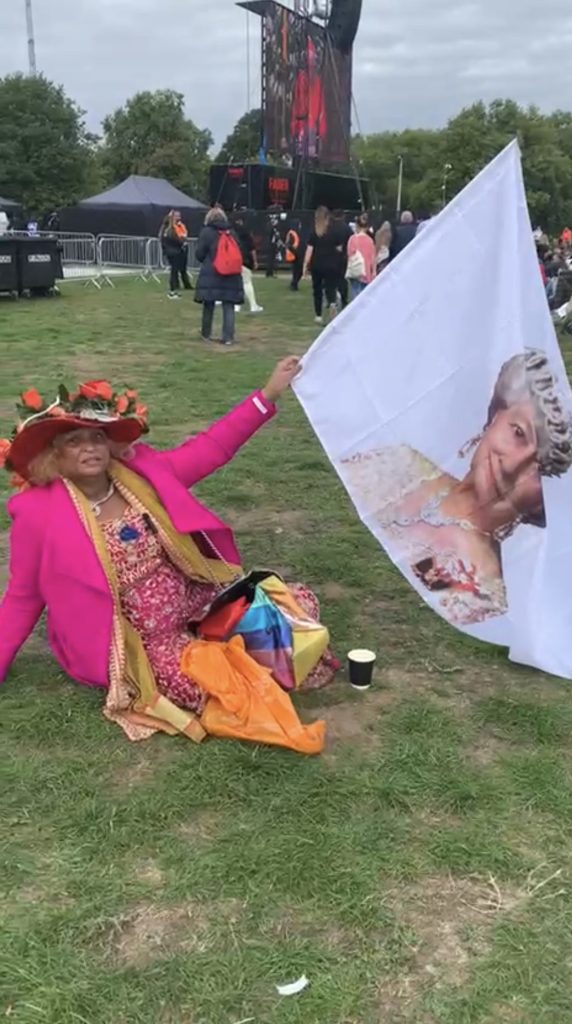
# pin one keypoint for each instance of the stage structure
(307, 79)
(304, 158)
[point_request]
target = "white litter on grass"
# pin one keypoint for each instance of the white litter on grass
(294, 987)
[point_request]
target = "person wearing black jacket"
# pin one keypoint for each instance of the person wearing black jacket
(322, 261)
(343, 233)
(173, 237)
(213, 287)
(403, 234)
(249, 263)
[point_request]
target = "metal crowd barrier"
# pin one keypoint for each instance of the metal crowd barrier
(78, 253)
(97, 261)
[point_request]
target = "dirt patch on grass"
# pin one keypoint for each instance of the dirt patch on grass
(260, 519)
(204, 826)
(445, 926)
(488, 751)
(334, 591)
(443, 929)
(150, 933)
(354, 720)
(149, 872)
(295, 922)
(139, 772)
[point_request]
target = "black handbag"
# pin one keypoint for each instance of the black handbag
(245, 587)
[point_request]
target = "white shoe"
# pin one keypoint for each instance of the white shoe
(318, 320)
(173, 295)
(257, 309)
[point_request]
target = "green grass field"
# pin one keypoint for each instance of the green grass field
(418, 872)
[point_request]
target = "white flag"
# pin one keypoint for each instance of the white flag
(440, 396)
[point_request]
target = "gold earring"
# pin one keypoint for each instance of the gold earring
(468, 447)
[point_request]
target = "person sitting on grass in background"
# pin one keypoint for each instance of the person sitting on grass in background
(249, 263)
(220, 276)
(173, 237)
(107, 538)
(361, 257)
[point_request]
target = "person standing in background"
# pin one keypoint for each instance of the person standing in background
(274, 242)
(322, 261)
(213, 286)
(343, 233)
(173, 238)
(361, 257)
(382, 246)
(294, 255)
(404, 234)
(249, 263)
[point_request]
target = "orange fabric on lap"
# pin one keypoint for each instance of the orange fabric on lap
(245, 703)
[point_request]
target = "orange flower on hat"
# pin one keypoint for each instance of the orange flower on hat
(57, 411)
(4, 450)
(32, 400)
(131, 394)
(97, 389)
(141, 411)
(122, 404)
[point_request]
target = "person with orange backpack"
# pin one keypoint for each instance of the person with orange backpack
(220, 276)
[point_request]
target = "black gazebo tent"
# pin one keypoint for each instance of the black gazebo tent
(135, 207)
(10, 206)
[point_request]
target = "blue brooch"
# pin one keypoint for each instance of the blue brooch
(128, 533)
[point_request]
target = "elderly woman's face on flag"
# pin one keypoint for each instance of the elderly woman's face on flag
(505, 465)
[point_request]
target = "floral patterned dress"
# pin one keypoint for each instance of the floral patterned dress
(160, 603)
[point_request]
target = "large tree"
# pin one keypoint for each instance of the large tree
(45, 150)
(464, 146)
(152, 135)
(243, 143)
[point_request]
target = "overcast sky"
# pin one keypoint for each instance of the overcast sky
(417, 62)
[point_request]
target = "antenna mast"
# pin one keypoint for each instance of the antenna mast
(31, 42)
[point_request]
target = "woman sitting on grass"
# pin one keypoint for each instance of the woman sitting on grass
(106, 537)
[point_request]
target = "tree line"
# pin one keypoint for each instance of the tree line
(49, 159)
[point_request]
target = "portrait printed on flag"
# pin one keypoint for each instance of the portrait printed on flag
(441, 398)
(450, 529)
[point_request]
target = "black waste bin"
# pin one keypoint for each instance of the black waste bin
(8, 265)
(39, 264)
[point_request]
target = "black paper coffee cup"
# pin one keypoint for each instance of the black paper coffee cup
(361, 663)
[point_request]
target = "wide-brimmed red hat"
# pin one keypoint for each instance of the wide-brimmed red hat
(95, 404)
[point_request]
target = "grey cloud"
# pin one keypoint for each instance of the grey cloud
(416, 64)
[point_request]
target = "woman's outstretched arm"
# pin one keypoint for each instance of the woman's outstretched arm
(201, 455)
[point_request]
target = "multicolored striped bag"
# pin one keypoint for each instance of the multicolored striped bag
(276, 631)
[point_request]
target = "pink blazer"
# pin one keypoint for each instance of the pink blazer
(54, 565)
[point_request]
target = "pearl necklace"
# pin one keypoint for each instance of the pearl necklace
(431, 515)
(97, 505)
